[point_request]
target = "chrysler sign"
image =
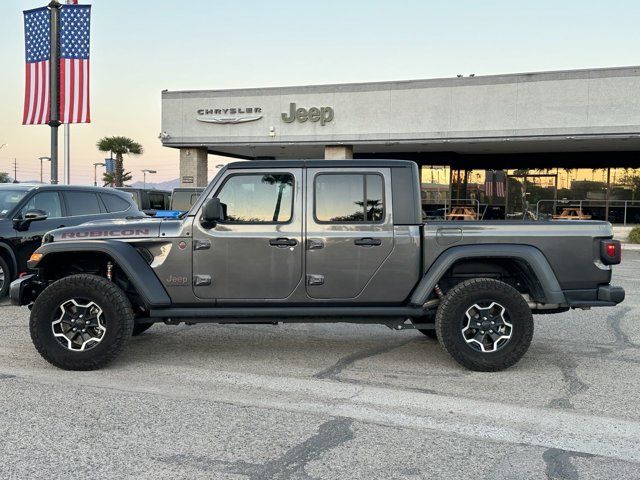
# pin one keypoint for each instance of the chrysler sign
(229, 115)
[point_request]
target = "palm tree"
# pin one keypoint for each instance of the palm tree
(109, 179)
(282, 181)
(119, 146)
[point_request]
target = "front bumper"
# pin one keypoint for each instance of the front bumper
(603, 296)
(24, 290)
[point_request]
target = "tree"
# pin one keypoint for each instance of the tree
(282, 181)
(4, 177)
(109, 179)
(119, 146)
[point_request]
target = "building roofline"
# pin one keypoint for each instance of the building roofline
(587, 73)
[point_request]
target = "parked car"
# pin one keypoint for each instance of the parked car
(316, 241)
(27, 212)
(182, 199)
(149, 200)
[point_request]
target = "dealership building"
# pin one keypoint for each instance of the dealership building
(532, 145)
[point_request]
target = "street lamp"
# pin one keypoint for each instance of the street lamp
(95, 172)
(41, 159)
(144, 172)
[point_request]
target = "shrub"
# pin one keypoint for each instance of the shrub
(634, 235)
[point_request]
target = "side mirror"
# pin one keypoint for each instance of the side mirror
(212, 212)
(35, 215)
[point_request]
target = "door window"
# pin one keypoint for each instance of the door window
(259, 198)
(349, 198)
(82, 203)
(48, 202)
(114, 203)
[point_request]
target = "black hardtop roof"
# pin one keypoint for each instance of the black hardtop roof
(360, 163)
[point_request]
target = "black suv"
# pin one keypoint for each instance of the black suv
(27, 212)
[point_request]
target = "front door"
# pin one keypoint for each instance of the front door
(256, 251)
(349, 230)
(28, 240)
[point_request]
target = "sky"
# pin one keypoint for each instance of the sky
(139, 48)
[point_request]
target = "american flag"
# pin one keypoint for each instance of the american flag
(494, 183)
(36, 99)
(74, 63)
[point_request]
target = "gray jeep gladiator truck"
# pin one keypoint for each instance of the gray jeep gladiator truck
(313, 241)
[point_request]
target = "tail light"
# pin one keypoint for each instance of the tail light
(610, 252)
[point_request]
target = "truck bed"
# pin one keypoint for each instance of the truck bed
(566, 244)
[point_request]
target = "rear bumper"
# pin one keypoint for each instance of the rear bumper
(603, 296)
(24, 290)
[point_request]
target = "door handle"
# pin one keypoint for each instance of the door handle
(283, 242)
(368, 242)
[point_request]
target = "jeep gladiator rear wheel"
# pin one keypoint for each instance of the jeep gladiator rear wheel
(484, 324)
(81, 322)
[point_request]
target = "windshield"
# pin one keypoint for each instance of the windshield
(9, 199)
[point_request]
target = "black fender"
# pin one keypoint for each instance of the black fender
(13, 261)
(125, 256)
(527, 254)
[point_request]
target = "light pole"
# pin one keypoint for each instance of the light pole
(41, 159)
(95, 172)
(144, 173)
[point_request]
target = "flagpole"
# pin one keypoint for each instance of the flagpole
(67, 146)
(54, 120)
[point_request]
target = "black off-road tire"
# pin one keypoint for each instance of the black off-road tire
(451, 315)
(116, 309)
(4, 288)
(140, 328)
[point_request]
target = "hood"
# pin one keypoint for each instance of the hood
(107, 229)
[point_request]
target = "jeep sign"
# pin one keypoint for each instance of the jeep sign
(315, 114)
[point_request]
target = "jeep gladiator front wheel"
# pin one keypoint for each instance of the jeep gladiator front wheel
(81, 322)
(484, 324)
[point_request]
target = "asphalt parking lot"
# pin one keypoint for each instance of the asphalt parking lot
(329, 402)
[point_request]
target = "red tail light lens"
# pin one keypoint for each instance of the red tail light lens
(610, 252)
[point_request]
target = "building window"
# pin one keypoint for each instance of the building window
(349, 198)
(258, 198)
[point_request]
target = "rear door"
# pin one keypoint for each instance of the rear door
(83, 206)
(349, 230)
(256, 252)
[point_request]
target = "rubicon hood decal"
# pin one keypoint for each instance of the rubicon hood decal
(138, 228)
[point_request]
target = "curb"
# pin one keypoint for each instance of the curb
(631, 247)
